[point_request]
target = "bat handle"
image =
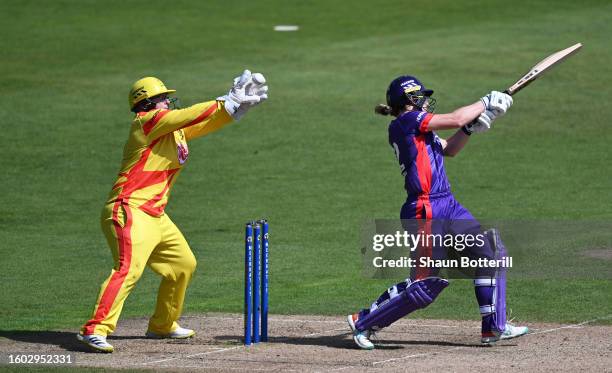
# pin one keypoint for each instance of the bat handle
(507, 92)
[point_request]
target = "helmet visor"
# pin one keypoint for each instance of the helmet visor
(422, 100)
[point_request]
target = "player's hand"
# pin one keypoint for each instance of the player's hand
(257, 86)
(482, 123)
(497, 102)
(500, 103)
(238, 97)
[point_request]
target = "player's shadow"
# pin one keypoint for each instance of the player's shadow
(64, 340)
(344, 341)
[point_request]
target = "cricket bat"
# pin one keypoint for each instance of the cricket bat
(541, 67)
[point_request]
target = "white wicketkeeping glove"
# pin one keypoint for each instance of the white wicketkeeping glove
(238, 97)
(257, 86)
(481, 124)
(497, 102)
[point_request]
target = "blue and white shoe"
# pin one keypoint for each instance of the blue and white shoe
(510, 332)
(361, 339)
(178, 333)
(95, 342)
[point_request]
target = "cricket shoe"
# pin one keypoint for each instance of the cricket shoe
(362, 339)
(510, 332)
(178, 333)
(96, 342)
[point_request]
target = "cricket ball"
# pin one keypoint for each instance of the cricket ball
(258, 79)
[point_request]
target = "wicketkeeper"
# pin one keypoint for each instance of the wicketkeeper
(137, 230)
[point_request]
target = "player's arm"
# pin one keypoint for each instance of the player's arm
(202, 114)
(457, 118)
(206, 117)
(454, 144)
(493, 105)
(495, 102)
(209, 125)
(248, 90)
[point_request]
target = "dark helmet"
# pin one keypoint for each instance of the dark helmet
(408, 90)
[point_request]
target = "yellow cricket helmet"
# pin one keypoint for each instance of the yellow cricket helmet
(146, 88)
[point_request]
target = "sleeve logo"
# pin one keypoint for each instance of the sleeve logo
(183, 152)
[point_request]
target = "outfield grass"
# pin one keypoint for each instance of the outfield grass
(313, 159)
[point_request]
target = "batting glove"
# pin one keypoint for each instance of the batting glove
(481, 124)
(497, 102)
(500, 103)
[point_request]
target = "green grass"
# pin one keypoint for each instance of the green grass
(313, 159)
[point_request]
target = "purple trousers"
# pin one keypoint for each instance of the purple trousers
(441, 214)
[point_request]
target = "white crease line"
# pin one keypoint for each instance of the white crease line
(538, 330)
(435, 325)
(571, 326)
(458, 347)
(200, 367)
(326, 331)
(190, 356)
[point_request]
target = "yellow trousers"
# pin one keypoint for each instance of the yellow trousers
(136, 240)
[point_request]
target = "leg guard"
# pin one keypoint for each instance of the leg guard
(390, 293)
(416, 295)
(491, 292)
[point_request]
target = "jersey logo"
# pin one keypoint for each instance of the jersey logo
(182, 152)
(420, 116)
(437, 141)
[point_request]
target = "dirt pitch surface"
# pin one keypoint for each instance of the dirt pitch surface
(314, 343)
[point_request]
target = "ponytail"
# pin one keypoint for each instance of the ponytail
(383, 109)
